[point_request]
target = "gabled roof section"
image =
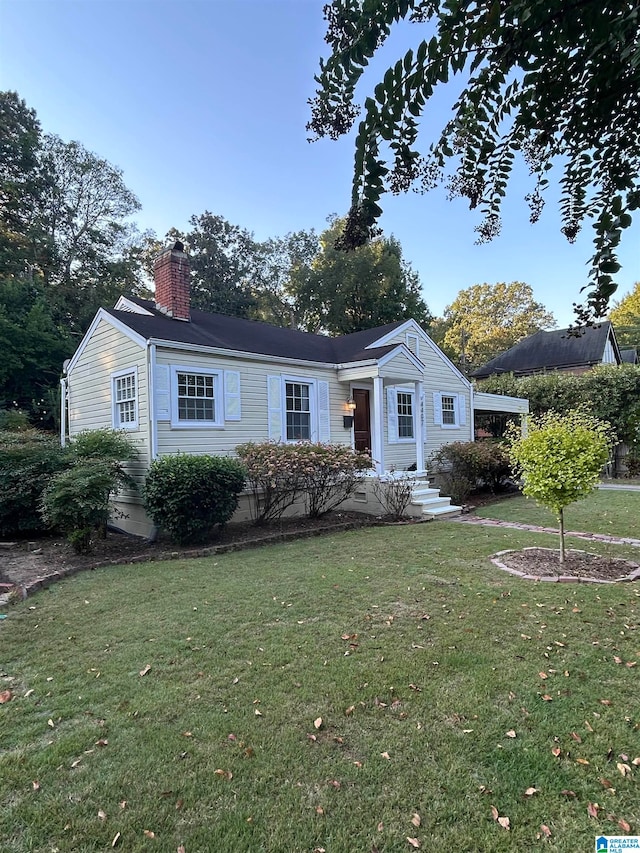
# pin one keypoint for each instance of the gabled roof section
(554, 350)
(217, 331)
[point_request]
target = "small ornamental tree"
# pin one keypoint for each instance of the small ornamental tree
(559, 459)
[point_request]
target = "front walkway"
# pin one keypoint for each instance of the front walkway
(515, 525)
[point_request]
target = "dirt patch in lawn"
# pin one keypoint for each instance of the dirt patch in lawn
(580, 565)
(23, 564)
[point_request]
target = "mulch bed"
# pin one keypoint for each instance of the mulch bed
(578, 565)
(32, 565)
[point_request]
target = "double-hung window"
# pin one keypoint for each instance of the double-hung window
(196, 397)
(298, 411)
(448, 410)
(125, 400)
(405, 415)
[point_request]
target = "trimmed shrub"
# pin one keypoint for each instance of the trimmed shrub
(465, 467)
(76, 501)
(28, 460)
(187, 496)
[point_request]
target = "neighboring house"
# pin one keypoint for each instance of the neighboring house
(545, 352)
(178, 379)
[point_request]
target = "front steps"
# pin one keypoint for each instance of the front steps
(432, 503)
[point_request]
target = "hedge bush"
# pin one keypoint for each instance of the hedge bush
(465, 467)
(187, 496)
(28, 460)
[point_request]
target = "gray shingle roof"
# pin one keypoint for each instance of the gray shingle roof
(235, 333)
(554, 350)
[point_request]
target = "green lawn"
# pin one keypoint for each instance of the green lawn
(417, 654)
(605, 511)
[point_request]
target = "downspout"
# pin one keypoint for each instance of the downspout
(473, 414)
(63, 411)
(151, 396)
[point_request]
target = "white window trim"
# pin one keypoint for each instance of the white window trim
(115, 420)
(313, 406)
(459, 401)
(218, 396)
(406, 439)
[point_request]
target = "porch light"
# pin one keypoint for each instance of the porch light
(350, 406)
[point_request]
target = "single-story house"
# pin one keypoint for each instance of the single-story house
(178, 379)
(557, 350)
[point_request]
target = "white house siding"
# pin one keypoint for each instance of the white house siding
(254, 422)
(89, 394)
(439, 375)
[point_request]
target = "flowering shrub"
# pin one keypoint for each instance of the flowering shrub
(278, 474)
(466, 466)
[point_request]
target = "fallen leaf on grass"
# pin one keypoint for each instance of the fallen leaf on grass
(556, 752)
(414, 842)
(605, 783)
(225, 774)
(146, 669)
(543, 675)
(386, 755)
(547, 698)
(545, 830)
(576, 737)
(510, 733)
(257, 712)
(415, 819)
(624, 826)
(530, 792)
(102, 742)
(636, 761)
(581, 761)
(149, 833)
(116, 838)
(317, 723)
(504, 822)
(181, 849)
(75, 763)
(567, 793)
(592, 810)
(623, 768)
(380, 827)
(102, 814)
(5, 697)
(606, 702)
(35, 785)
(50, 723)
(631, 663)
(588, 726)
(350, 710)
(123, 804)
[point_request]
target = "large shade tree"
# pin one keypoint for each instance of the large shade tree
(345, 292)
(487, 319)
(625, 316)
(557, 82)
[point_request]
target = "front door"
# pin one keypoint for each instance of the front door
(362, 420)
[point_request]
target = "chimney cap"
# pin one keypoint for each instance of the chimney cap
(178, 247)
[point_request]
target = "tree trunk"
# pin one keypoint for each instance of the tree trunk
(561, 526)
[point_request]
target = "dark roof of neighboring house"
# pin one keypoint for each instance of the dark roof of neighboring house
(629, 356)
(235, 333)
(552, 351)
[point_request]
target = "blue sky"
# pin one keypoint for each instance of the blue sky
(203, 105)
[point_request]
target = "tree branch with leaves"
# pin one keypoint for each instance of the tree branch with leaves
(556, 82)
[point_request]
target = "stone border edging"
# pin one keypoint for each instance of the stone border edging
(25, 590)
(632, 576)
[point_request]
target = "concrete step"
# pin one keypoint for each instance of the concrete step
(442, 511)
(424, 492)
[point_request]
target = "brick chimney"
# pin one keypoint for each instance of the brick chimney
(171, 276)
